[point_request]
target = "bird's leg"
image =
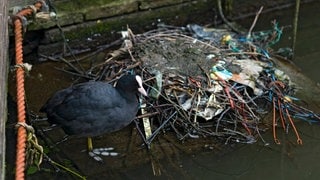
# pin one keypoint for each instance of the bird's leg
(90, 151)
(94, 153)
(90, 147)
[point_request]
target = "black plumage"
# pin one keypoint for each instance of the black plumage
(95, 108)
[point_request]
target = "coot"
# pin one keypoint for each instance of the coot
(94, 108)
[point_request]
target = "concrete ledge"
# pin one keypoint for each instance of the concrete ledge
(87, 24)
(90, 34)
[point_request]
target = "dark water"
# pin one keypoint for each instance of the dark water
(256, 161)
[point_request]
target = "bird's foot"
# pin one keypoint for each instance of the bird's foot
(97, 152)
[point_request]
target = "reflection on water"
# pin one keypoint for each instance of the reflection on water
(285, 161)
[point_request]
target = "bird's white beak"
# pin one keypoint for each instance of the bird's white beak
(142, 91)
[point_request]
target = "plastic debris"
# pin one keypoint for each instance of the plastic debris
(208, 82)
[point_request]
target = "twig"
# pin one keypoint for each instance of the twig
(254, 22)
(224, 19)
(295, 27)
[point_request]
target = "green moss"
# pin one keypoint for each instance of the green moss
(141, 19)
(89, 30)
(83, 5)
(80, 29)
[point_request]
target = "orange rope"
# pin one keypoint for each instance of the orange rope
(22, 134)
(21, 113)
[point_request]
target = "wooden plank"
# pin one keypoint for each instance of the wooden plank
(3, 82)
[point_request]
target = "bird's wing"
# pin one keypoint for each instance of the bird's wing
(86, 101)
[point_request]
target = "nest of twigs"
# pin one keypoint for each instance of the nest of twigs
(205, 82)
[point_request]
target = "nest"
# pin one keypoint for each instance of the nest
(206, 82)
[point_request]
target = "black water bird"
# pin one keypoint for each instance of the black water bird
(94, 108)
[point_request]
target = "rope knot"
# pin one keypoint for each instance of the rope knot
(26, 126)
(34, 150)
(25, 66)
